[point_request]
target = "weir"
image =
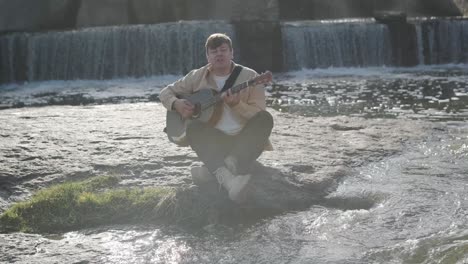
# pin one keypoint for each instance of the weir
(176, 48)
(106, 52)
(326, 44)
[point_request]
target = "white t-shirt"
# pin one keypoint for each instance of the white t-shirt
(228, 123)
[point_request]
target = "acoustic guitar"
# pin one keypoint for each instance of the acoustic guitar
(208, 108)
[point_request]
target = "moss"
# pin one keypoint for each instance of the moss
(97, 201)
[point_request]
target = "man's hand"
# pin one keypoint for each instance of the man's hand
(184, 108)
(230, 98)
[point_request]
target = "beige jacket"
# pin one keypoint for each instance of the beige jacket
(252, 99)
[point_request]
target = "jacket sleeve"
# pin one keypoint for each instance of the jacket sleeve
(181, 86)
(254, 104)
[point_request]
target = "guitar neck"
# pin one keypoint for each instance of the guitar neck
(234, 89)
(241, 86)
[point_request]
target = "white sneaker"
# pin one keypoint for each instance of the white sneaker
(231, 164)
(201, 175)
(236, 185)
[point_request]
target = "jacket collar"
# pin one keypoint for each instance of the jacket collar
(209, 75)
(210, 68)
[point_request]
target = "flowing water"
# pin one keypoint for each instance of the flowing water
(107, 52)
(420, 196)
(420, 216)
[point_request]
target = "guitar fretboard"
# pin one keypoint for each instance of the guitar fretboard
(235, 89)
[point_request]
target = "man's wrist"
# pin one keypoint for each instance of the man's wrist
(173, 105)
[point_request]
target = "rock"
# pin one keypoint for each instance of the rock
(99, 200)
(270, 190)
(345, 127)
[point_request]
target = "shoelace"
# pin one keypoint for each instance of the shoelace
(231, 164)
(219, 177)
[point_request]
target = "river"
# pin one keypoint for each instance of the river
(418, 195)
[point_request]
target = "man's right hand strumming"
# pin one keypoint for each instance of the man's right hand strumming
(184, 108)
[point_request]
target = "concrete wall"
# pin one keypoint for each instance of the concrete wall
(35, 15)
(320, 9)
(102, 13)
(463, 6)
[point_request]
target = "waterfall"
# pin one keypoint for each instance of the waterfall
(320, 45)
(107, 52)
(363, 43)
(419, 38)
(13, 50)
(444, 41)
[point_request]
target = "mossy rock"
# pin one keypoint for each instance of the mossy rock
(100, 201)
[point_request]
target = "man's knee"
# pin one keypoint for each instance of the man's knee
(265, 118)
(194, 128)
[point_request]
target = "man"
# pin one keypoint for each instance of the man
(228, 148)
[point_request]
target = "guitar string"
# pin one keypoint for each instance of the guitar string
(216, 98)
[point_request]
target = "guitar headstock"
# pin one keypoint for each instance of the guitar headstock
(265, 77)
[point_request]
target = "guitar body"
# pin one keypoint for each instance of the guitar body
(176, 125)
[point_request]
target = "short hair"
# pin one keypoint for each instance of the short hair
(217, 39)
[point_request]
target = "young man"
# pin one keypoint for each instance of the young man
(228, 148)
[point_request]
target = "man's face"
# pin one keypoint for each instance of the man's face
(220, 57)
